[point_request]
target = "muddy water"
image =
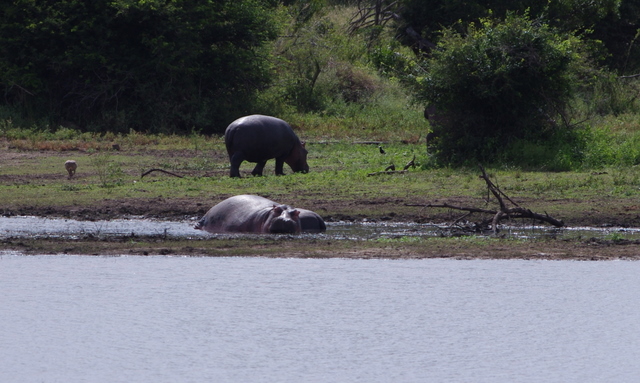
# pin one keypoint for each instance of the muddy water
(176, 319)
(50, 227)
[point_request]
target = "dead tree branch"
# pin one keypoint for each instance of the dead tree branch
(505, 212)
(160, 170)
(386, 172)
(372, 13)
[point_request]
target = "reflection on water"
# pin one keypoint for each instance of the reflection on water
(178, 319)
(69, 228)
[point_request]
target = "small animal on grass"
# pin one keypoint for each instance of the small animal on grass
(71, 167)
(255, 214)
(410, 164)
(259, 138)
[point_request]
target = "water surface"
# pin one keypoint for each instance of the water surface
(179, 319)
(25, 226)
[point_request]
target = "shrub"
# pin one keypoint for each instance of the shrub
(354, 85)
(500, 83)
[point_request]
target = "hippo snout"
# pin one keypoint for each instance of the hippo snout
(284, 226)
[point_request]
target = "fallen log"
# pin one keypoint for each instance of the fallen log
(505, 212)
(386, 172)
(160, 170)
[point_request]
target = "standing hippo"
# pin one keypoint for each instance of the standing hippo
(254, 214)
(258, 138)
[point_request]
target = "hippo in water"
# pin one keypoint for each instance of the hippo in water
(311, 222)
(254, 214)
(258, 138)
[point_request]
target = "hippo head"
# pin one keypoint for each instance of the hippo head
(282, 219)
(297, 159)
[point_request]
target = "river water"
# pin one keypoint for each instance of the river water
(181, 319)
(25, 226)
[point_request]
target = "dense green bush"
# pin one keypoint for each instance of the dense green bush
(612, 23)
(499, 83)
(152, 65)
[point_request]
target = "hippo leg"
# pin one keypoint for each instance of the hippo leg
(257, 171)
(236, 159)
(279, 166)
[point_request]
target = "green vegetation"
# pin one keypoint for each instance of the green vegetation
(147, 65)
(339, 176)
(109, 184)
(509, 81)
(515, 84)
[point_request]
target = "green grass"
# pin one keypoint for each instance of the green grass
(339, 177)
(339, 171)
(340, 167)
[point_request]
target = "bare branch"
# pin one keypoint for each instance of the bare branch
(503, 213)
(160, 170)
(386, 172)
(374, 14)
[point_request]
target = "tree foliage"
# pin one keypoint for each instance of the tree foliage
(160, 66)
(498, 83)
(613, 22)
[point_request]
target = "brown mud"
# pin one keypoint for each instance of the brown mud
(604, 212)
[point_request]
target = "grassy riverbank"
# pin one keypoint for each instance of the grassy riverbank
(344, 184)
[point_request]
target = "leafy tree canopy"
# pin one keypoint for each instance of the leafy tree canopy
(134, 64)
(614, 22)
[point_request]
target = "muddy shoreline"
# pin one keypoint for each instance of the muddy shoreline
(301, 247)
(604, 213)
(367, 204)
(290, 247)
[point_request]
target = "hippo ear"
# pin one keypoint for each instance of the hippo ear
(277, 209)
(295, 213)
(304, 144)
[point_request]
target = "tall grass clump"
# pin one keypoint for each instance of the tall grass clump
(608, 94)
(109, 172)
(609, 148)
(564, 151)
